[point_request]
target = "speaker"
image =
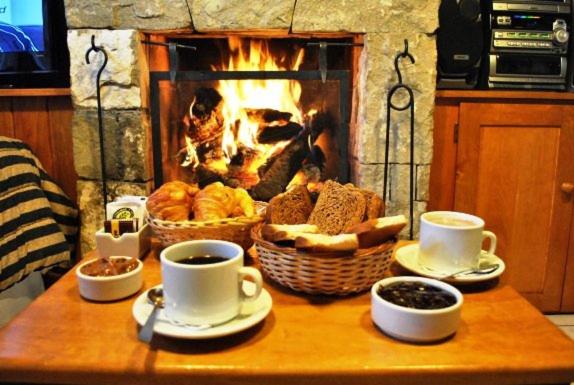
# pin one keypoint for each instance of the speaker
(460, 43)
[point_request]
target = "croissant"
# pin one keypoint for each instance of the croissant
(244, 204)
(215, 201)
(173, 201)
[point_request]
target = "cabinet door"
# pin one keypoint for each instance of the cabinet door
(511, 162)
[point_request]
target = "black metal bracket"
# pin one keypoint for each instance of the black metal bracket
(100, 49)
(323, 54)
(173, 58)
(391, 106)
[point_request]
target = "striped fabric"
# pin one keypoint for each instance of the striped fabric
(38, 222)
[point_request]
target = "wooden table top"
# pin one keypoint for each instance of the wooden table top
(64, 339)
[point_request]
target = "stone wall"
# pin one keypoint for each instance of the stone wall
(115, 24)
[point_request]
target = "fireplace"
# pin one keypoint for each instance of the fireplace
(123, 27)
(257, 113)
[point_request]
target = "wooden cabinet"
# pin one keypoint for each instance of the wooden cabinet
(509, 158)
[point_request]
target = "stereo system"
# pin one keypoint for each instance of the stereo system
(527, 45)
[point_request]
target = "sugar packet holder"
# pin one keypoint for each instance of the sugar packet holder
(133, 245)
(118, 227)
(127, 207)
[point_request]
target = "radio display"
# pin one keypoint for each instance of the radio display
(524, 21)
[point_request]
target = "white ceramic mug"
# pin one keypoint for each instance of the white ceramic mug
(451, 241)
(205, 294)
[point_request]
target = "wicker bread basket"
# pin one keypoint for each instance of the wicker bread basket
(235, 230)
(323, 273)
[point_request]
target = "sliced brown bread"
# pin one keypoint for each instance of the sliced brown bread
(375, 205)
(337, 208)
(291, 207)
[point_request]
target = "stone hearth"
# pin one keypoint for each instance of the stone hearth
(118, 26)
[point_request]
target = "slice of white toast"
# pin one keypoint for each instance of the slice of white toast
(376, 231)
(282, 233)
(318, 243)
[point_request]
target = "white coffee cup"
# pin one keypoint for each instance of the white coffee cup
(205, 294)
(451, 241)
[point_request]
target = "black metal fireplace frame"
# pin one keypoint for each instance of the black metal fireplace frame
(342, 76)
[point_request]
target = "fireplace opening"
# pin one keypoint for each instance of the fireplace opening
(262, 114)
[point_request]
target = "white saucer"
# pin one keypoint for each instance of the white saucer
(251, 314)
(407, 257)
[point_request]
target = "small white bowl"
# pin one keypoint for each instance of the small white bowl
(415, 325)
(109, 288)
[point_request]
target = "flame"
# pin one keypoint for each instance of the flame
(191, 158)
(239, 96)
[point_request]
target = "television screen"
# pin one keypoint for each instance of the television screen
(33, 49)
(21, 26)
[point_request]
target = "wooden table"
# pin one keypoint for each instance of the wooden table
(63, 339)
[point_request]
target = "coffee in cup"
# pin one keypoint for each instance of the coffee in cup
(202, 260)
(203, 281)
(451, 241)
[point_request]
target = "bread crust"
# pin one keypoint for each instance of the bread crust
(321, 243)
(376, 231)
(283, 233)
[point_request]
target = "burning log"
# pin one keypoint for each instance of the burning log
(278, 171)
(205, 120)
(206, 176)
(272, 134)
(206, 101)
(244, 156)
(267, 115)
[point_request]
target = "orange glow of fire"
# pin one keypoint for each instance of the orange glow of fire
(239, 95)
(242, 95)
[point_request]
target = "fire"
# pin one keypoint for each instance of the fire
(240, 96)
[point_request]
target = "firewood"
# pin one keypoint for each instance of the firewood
(276, 174)
(206, 101)
(267, 115)
(273, 134)
(204, 123)
(206, 176)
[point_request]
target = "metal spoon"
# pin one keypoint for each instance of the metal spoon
(483, 269)
(155, 296)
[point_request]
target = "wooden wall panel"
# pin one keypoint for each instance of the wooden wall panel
(60, 113)
(45, 124)
(6, 119)
(32, 127)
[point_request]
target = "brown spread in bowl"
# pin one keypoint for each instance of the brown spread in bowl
(107, 267)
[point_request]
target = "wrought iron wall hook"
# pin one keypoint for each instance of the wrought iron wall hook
(100, 49)
(401, 55)
(391, 106)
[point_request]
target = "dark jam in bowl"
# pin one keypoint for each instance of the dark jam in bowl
(108, 267)
(416, 295)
